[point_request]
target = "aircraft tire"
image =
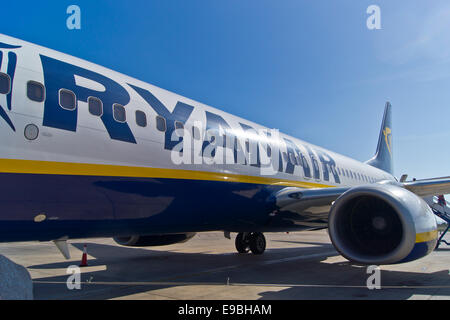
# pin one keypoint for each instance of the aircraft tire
(257, 243)
(241, 243)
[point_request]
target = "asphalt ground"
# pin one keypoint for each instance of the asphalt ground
(301, 265)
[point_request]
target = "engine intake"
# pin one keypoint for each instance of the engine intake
(382, 224)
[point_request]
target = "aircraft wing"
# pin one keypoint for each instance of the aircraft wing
(429, 187)
(298, 199)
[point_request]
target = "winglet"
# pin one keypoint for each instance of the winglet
(383, 157)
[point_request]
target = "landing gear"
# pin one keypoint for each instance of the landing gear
(257, 243)
(253, 241)
(241, 243)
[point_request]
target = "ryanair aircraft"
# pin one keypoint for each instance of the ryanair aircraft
(89, 152)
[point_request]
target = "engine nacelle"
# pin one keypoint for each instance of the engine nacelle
(153, 240)
(382, 224)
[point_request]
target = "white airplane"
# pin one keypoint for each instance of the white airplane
(89, 152)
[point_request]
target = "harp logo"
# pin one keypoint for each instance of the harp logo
(388, 138)
(8, 56)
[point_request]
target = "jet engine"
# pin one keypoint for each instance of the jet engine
(153, 240)
(382, 224)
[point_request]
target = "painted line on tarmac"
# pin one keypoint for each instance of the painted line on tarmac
(159, 283)
(309, 256)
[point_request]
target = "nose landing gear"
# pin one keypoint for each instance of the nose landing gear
(250, 241)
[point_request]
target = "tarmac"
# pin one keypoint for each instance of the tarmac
(300, 265)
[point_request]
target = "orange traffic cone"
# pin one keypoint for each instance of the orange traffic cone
(84, 257)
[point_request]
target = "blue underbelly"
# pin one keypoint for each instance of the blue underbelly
(49, 206)
(96, 206)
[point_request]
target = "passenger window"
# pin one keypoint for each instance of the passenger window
(292, 158)
(141, 119)
(95, 106)
(269, 151)
(333, 170)
(5, 83)
(304, 161)
(160, 123)
(196, 133)
(315, 164)
(67, 99)
(179, 126)
(119, 113)
(35, 91)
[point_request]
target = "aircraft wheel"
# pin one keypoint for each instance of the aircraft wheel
(257, 243)
(241, 243)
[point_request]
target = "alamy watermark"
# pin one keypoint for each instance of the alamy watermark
(73, 282)
(259, 148)
(373, 22)
(374, 280)
(73, 22)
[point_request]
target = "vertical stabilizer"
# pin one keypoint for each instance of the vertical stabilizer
(383, 157)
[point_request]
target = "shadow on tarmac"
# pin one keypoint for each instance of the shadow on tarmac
(305, 271)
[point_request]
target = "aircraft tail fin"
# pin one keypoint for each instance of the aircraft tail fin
(383, 156)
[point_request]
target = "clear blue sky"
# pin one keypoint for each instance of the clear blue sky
(309, 68)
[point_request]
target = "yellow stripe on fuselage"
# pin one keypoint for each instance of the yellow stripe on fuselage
(426, 236)
(88, 169)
